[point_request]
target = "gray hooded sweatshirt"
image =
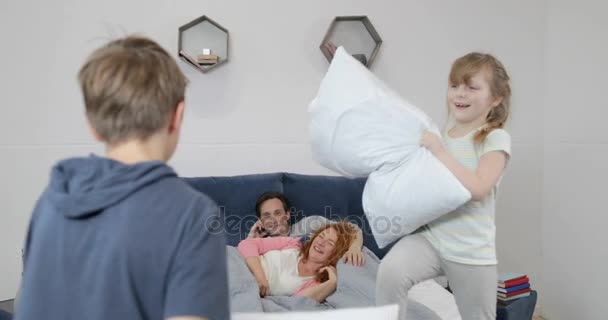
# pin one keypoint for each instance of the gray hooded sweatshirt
(114, 241)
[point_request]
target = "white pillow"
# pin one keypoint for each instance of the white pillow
(389, 312)
(360, 127)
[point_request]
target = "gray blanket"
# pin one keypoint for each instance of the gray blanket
(356, 288)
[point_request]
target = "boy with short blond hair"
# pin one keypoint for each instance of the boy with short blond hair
(121, 236)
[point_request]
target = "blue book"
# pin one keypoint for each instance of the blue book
(514, 288)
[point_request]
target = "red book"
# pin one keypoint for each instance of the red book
(513, 282)
(510, 294)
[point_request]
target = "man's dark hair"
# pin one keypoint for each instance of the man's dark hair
(271, 195)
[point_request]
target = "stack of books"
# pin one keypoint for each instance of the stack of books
(512, 286)
(207, 59)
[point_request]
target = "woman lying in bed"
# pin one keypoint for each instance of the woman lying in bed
(284, 266)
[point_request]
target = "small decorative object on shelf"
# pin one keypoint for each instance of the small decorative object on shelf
(356, 34)
(203, 44)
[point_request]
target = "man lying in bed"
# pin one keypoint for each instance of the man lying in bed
(272, 210)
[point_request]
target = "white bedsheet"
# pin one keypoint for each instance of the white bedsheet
(436, 298)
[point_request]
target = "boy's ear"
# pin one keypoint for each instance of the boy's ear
(94, 132)
(177, 117)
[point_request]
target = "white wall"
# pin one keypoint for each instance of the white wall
(249, 115)
(575, 254)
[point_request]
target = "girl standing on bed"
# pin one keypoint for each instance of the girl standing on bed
(285, 266)
(461, 244)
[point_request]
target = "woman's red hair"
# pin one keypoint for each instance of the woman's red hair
(346, 234)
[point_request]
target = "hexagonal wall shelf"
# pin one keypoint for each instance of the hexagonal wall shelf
(356, 34)
(203, 44)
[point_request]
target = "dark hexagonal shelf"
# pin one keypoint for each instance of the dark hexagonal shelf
(356, 34)
(203, 44)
